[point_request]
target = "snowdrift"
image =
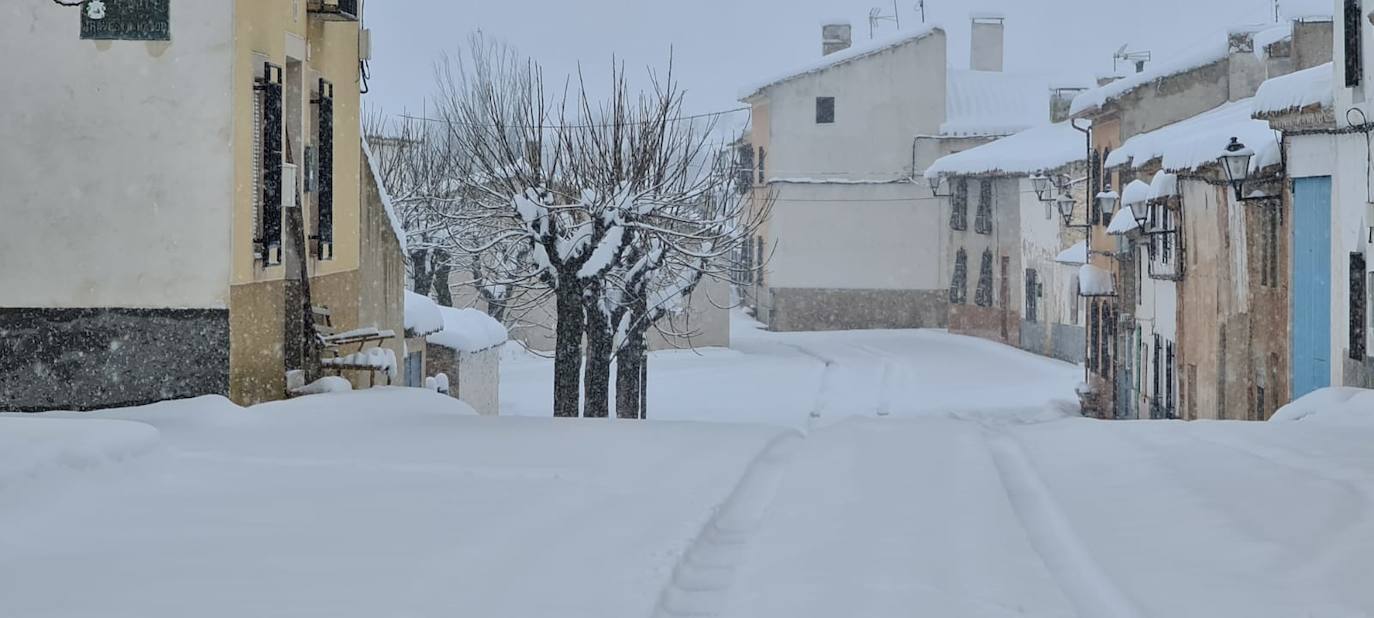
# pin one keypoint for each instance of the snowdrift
(1336, 405)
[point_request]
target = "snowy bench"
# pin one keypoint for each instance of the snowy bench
(363, 359)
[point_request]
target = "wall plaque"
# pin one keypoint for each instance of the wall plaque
(126, 20)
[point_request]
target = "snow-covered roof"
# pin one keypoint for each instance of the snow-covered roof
(1123, 221)
(856, 52)
(1269, 36)
(422, 315)
(1095, 281)
(1163, 185)
(468, 330)
(1198, 57)
(1075, 255)
(1195, 142)
(1135, 193)
(979, 103)
(396, 226)
(1044, 148)
(1296, 91)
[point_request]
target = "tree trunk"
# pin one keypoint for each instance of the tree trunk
(442, 293)
(567, 360)
(628, 365)
(424, 280)
(596, 383)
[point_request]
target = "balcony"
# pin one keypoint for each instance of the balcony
(334, 10)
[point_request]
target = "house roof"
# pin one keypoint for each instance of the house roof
(1195, 142)
(1041, 149)
(1199, 56)
(1296, 92)
(422, 315)
(1075, 255)
(468, 330)
(1123, 221)
(856, 52)
(980, 103)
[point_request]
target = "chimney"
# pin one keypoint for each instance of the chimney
(1061, 100)
(836, 36)
(986, 40)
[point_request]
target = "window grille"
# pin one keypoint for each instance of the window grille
(763, 165)
(1357, 306)
(958, 285)
(325, 158)
(1354, 53)
(270, 89)
(983, 223)
(958, 217)
(1032, 295)
(983, 298)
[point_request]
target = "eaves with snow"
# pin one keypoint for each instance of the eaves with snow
(1075, 255)
(857, 52)
(1044, 148)
(1305, 91)
(1194, 143)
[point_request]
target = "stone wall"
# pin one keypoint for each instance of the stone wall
(798, 309)
(84, 359)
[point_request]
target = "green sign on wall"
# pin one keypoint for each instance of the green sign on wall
(126, 20)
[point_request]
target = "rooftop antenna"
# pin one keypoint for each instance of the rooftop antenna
(921, 6)
(1138, 58)
(1276, 12)
(876, 17)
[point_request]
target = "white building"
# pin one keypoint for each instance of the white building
(855, 239)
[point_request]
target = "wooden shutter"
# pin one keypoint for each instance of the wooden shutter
(270, 87)
(324, 225)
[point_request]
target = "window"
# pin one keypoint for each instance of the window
(1032, 295)
(324, 225)
(983, 298)
(958, 216)
(763, 165)
(1357, 306)
(269, 89)
(1259, 404)
(758, 263)
(825, 110)
(1094, 336)
(1094, 185)
(1169, 380)
(1269, 248)
(958, 285)
(1354, 55)
(1167, 239)
(746, 166)
(1155, 375)
(983, 223)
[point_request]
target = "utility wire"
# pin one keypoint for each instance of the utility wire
(576, 126)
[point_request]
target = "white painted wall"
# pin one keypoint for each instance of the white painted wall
(1042, 239)
(115, 171)
(479, 381)
(874, 237)
(840, 235)
(882, 102)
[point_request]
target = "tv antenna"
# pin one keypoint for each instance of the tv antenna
(1277, 13)
(1138, 58)
(921, 6)
(876, 17)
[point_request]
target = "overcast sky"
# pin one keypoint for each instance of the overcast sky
(724, 45)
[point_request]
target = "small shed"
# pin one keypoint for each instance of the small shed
(468, 351)
(422, 318)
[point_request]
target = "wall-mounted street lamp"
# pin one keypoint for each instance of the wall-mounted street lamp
(1042, 186)
(1236, 162)
(1107, 201)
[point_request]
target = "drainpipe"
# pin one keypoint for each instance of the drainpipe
(1087, 241)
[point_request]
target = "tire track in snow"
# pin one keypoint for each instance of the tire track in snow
(823, 389)
(1080, 577)
(701, 581)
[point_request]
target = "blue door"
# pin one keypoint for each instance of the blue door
(1311, 288)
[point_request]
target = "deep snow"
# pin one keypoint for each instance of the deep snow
(977, 495)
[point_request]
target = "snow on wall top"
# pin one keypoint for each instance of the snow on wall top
(1095, 281)
(422, 315)
(1075, 255)
(1044, 148)
(468, 330)
(994, 103)
(390, 210)
(1295, 91)
(1163, 184)
(1190, 144)
(856, 52)
(1137, 192)
(1123, 221)
(1198, 57)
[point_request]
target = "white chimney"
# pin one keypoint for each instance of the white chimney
(836, 36)
(986, 39)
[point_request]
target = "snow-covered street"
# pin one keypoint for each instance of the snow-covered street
(861, 474)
